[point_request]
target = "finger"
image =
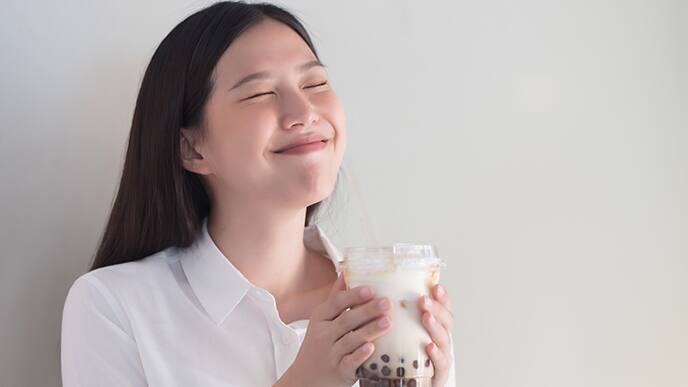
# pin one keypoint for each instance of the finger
(441, 313)
(440, 294)
(338, 285)
(322, 312)
(366, 333)
(440, 361)
(437, 332)
(358, 316)
(340, 300)
(352, 361)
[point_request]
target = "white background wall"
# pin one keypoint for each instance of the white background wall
(540, 144)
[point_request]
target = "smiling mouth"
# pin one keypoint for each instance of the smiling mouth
(304, 148)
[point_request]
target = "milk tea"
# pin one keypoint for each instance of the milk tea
(402, 272)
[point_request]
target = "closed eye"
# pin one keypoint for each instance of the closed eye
(271, 92)
(257, 95)
(319, 84)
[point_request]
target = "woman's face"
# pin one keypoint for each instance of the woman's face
(247, 122)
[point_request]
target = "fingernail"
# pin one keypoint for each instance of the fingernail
(364, 292)
(367, 347)
(440, 290)
(383, 322)
(383, 304)
(427, 301)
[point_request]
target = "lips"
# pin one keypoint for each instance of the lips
(312, 139)
(305, 148)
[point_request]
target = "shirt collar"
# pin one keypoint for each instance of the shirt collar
(218, 284)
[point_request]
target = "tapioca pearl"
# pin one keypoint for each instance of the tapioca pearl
(362, 372)
(415, 364)
(427, 362)
(411, 383)
(401, 360)
(386, 371)
(400, 371)
(385, 358)
(373, 366)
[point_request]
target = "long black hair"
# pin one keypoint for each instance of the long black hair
(159, 203)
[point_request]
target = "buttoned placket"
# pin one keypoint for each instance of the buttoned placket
(284, 338)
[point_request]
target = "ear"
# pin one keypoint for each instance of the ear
(190, 152)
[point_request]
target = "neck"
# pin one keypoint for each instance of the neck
(264, 244)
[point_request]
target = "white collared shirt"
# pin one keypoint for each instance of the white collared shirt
(181, 317)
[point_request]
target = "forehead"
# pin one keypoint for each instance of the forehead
(265, 46)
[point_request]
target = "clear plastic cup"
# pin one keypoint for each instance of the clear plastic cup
(402, 272)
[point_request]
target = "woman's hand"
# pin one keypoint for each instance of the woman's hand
(338, 340)
(438, 321)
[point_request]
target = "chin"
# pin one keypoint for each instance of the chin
(310, 188)
(318, 192)
(310, 184)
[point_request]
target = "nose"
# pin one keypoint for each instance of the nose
(298, 110)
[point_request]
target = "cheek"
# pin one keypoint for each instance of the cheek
(333, 111)
(237, 147)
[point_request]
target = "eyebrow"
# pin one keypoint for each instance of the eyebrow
(265, 74)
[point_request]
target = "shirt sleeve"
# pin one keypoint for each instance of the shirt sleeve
(96, 349)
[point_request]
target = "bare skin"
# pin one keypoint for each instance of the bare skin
(316, 287)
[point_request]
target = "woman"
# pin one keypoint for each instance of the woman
(211, 271)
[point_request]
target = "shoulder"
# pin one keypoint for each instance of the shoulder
(110, 287)
(128, 274)
(134, 272)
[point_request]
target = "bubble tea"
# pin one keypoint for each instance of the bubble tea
(401, 272)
